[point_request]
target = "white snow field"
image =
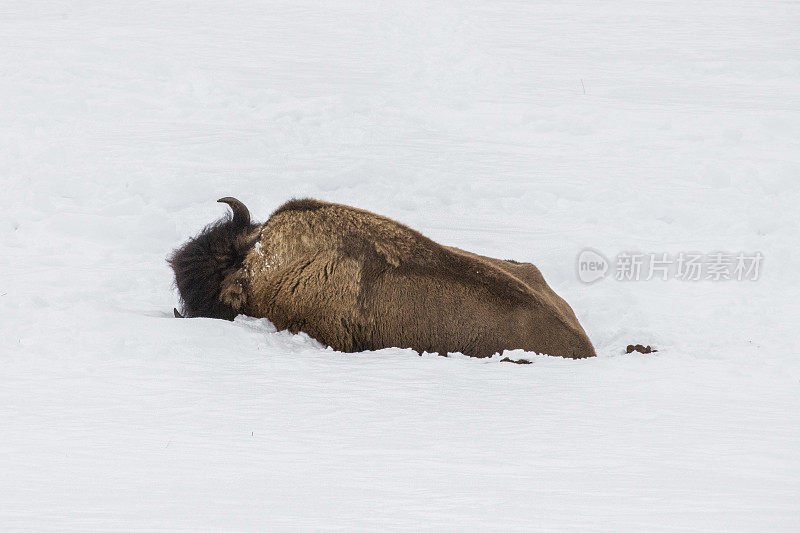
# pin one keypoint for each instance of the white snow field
(525, 130)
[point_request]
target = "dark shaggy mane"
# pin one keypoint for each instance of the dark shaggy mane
(202, 264)
(299, 204)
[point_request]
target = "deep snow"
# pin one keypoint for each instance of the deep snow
(525, 130)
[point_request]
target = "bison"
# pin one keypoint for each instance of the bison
(355, 280)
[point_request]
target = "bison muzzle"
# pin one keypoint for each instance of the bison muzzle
(357, 281)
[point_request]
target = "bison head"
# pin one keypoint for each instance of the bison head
(207, 267)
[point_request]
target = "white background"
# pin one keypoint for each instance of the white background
(525, 130)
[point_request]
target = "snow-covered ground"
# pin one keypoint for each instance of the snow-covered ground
(529, 130)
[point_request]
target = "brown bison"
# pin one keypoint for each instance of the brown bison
(358, 281)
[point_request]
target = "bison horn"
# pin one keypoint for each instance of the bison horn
(177, 313)
(241, 216)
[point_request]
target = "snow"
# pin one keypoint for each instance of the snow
(525, 130)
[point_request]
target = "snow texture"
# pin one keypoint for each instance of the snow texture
(525, 130)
